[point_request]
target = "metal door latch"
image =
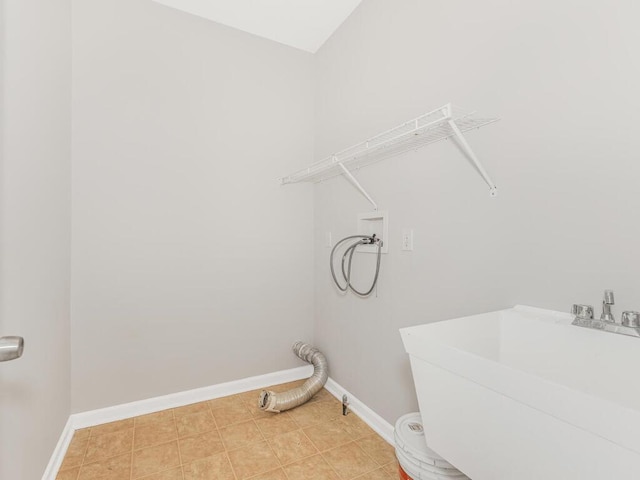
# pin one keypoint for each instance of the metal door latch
(11, 348)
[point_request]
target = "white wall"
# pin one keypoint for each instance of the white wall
(191, 265)
(35, 138)
(564, 77)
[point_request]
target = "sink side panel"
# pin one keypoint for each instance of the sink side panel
(492, 437)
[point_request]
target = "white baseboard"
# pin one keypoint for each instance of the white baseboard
(58, 453)
(368, 416)
(173, 400)
(156, 404)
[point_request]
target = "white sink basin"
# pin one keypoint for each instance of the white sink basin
(522, 394)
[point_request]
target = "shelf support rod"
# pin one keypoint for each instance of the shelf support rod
(493, 190)
(356, 184)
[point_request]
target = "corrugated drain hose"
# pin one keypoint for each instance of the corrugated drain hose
(346, 273)
(279, 402)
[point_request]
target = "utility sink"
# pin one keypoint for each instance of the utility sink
(522, 394)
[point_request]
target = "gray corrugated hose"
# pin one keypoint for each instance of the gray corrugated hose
(279, 402)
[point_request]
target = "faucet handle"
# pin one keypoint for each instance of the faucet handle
(631, 319)
(582, 311)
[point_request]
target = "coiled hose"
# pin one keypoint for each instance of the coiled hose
(346, 273)
(279, 402)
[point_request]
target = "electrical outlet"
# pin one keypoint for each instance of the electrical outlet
(407, 239)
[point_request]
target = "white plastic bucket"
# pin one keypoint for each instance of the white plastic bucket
(423, 472)
(416, 459)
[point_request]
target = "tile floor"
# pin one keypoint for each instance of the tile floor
(230, 438)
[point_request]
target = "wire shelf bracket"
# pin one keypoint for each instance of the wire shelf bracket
(440, 124)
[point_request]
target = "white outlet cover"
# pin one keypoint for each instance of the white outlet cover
(407, 239)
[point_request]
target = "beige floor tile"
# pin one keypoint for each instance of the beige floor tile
(378, 449)
(392, 468)
(250, 398)
(350, 461)
(226, 402)
(109, 445)
(350, 448)
(230, 415)
(200, 446)
(306, 415)
(255, 411)
(154, 433)
(161, 416)
(191, 409)
(355, 426)
(195, 423)
(312, 413)
(276, 424)
(216, 467)
(112, 427)
(328, 409)
(252, 460)
(82, 433)
(328, 435)
(272, 475)
(155, 459)
(68, 474)
(292, 446)
(379, 474)
(311, 468)
(173, 474)
(240, 434)
(75, 453)
(115, 468)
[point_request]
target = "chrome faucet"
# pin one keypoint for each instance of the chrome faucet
(607, 316)
(629, 324)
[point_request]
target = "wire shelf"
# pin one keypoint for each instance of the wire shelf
(431, 127)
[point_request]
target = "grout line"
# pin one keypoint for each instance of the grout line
(215, 421)
(262, 473)
(224, 445)
(329, 463)
(286, 475)
(367, 453)
(259, 430)
(101, 459)
(133, 443)
(175, 426)
(160, 471)
(300, 459)
(233, 470)
(84, 455)
(226, 453)
(282, 464)
(79, 466)
(370, 456)
(273, 451)
(377, 467)
(386, 464)
(311, 442)
(156, 473)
